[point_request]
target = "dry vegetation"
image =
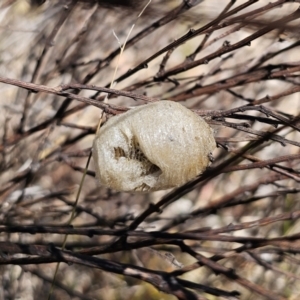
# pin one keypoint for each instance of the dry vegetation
(232, 233)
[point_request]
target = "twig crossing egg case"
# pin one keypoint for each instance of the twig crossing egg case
(152, 147)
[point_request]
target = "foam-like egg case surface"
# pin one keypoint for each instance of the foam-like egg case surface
(152, 147)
